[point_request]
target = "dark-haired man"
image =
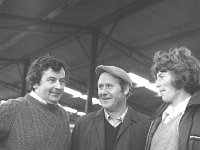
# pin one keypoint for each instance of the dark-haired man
(36, 121)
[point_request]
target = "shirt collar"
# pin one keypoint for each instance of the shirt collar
(34, 95)
(180, 108)
(120, 118)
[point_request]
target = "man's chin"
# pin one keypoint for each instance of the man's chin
(52, 102)
(56, 96)
(105, 106)
(55, 100)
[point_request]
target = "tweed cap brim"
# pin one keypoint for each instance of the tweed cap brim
(115, 71)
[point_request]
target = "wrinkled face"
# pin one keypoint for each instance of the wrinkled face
(110, 93)
(51, 86)
(164, 83)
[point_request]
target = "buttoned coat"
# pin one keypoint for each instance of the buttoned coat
(89, 132)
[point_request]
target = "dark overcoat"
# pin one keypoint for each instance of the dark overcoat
(89, 132)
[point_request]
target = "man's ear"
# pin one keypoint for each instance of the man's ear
(126, 89)
(35, 86)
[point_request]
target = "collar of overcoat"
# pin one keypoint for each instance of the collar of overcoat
(194, 101)
(131, 117)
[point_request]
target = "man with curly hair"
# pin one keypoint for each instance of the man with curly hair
(36, 121)
(176, 124)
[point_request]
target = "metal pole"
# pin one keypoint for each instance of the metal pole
(91, 79)
(26, 65)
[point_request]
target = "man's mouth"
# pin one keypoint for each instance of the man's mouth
(105, 99)
(162, 91)
(56, 93)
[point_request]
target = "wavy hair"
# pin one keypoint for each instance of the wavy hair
(185, 67)
(42, 64)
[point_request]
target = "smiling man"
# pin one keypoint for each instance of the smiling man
(115, 126)
(36, 121)
(51, 86)
(176, 123)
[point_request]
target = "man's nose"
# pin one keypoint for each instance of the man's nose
(157, 83)
(104, 91)
(57, 84)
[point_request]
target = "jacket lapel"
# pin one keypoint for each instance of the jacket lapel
(185, 127)
(99, 122)
(129, 119)
(186, 124)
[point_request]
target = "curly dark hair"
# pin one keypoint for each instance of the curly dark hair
(185, 67)
(42, 64)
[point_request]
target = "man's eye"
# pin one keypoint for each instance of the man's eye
(162, 77)
(62, 81)
(100, 86)
(109, 86)
(52, 80)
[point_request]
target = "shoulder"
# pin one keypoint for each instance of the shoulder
(137, 116)
(13, 102)
(87, 118)
(60, 108)
(11, 107)
(86, 123)
(64, 113)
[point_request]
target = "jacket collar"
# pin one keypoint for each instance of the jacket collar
(158, 113)
(194, 100)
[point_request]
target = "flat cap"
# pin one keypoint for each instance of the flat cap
(116, 72)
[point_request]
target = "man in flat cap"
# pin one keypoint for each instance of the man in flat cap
(115, 126)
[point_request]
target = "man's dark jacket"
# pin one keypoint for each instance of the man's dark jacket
(189, 126)
(89, 132)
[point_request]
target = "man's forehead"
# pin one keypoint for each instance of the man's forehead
(162, 73)
(51, 72)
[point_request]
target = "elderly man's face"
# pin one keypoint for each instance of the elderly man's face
(111, 96)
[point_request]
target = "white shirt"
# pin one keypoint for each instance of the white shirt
(34, 95)
(115, 121)
(172, 112)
